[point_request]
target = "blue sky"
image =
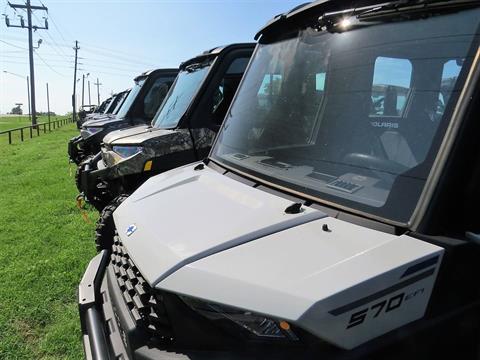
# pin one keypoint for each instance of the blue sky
(118, 40)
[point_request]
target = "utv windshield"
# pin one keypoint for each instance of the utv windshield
(102, 107)
(130, 98)
(121, 101)
(110, 106)
(355, 118)
(181, 94)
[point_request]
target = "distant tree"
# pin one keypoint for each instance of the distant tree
(17, 110)
(45, 113)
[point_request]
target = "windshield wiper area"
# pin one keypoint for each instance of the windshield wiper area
(195, 67)
(345, 20)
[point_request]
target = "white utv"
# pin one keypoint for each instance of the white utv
(336, 216)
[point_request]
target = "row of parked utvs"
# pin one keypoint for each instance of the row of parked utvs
(313, 195)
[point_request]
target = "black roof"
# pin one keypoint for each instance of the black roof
(215, 52)
(156, 71)
(294, 17)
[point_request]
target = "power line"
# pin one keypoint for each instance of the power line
(12, 51)
(18, 47)
(103, 57)
(103, 53)
(56, 28)
(128, 54)
(26, 63)
(53, 40)
(51, 68)
(108, 67)
(118, 57)
(45, 53)
(8, 56)
(103, 61)
(50, 16)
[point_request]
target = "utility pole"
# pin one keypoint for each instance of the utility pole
(28, 8)
(28, 89)
(98, 92)
(83, 90)
(48, 108)
(89, 97)
(29, 106)
(74, 99)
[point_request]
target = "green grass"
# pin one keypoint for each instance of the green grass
(14, 121)
(45, 246)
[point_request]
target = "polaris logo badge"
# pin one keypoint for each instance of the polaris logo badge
(388, 125)
(130, 230)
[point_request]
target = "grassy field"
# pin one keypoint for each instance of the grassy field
(45, 246)
(12, 121)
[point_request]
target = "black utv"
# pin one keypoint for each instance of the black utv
(101, 108)
(97, 112)
(182, 131)
(139, 108)
(76, 150)
(86, 110)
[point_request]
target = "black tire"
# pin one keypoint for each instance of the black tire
(105, 229)
(100, 201)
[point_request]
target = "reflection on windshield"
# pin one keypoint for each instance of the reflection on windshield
(121, 101)
(180, 95)
(130, 98)
(352, 118)
(111, 105)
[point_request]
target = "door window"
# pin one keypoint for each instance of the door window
(392, 79)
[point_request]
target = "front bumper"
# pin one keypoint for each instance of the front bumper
(91, 318)
(90, 176)
(101, 313)
(75, 149)
(110, 332)
(79, 148)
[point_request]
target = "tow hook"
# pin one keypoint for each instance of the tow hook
(80, 200)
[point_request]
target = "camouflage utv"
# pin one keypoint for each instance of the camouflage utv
(182, 131)
(78, 147)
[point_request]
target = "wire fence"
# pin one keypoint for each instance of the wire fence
(36, 130)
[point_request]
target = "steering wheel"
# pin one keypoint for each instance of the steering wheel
(374, 163)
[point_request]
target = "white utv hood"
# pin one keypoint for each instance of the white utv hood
(205, 235)
(173, 214)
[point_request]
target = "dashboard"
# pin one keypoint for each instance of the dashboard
(340, 180)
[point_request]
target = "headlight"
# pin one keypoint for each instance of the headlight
(258, 325)
(86, 132)
(126, 151)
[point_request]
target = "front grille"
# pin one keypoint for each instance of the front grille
(146, 305)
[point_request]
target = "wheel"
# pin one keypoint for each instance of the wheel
(105, 229)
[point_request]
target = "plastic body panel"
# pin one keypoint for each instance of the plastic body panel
(162, 243)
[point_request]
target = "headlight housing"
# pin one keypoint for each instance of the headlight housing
(126, 151)
(259, 326)
(86, 132)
